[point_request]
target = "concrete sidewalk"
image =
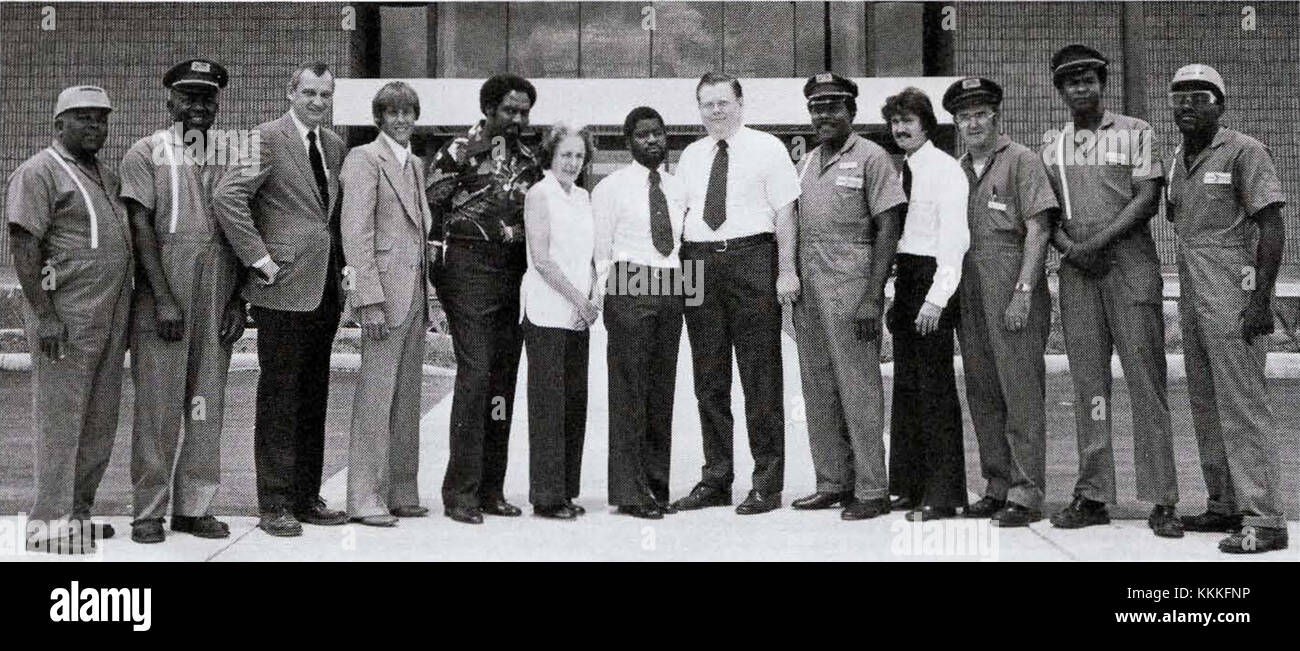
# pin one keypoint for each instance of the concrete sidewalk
(711, 534)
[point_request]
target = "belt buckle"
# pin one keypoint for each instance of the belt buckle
(724, 247)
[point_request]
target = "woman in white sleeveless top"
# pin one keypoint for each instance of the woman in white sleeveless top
(557, 301)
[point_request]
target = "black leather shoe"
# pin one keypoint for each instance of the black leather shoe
(409, 511)
(1212, 522)
(1015, 515)
(1082, 512)
(865, 509)
(279, 522)
(465, 514)
(984, 508)
(1254, 540)
(555, 512)
(928, 513)
(644, 511)
(822, 500)
(1164, 521)
(203, 527)
(703, 496)
(148, 532)
(577, 510)
(319, 514)
(757, 502)
(500, 506)
(902, 503)
(90, 529)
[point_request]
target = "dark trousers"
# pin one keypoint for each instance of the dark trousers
(739, 309)
(293, 351)
(478, 285)
(644, 335)
(557, 412)
(926, 458)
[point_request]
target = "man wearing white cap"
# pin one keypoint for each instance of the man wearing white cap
(187, 310)
(72, 252)
(1223, 194)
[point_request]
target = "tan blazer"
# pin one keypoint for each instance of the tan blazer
(269, 205)
(385, 224)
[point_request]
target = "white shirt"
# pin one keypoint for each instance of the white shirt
(621, 205)
(572, 245)
(306, 145)
(400, 151)
(760, 180)
(936, 218)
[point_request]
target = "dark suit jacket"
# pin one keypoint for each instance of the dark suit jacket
(270, 205)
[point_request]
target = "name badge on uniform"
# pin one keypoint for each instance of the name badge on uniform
(1218, 178)
(848, 165)
(854, 182)
(997, 205)
(1116, 158)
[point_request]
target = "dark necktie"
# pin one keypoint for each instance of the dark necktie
(661, 229)
(907, 192)
(318, 168)
(715, 200)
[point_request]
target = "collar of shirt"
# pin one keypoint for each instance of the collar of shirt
(400, 151)
(67, 155)
(552, 185)
(923, 152)
(849, 143)
(302, 131)
(967, 162)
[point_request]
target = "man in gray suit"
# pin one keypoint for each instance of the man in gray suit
(385, 223)
(278, 209)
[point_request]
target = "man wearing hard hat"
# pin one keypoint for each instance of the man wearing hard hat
(187, 310)
(1223, 195)
(72, 252)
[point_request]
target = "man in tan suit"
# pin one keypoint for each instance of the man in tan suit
(278, 209)
(385, 223)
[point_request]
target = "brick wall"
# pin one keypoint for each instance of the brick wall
(126, 48)
(1013, 43)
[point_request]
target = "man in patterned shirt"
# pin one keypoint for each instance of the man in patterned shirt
(475, 186)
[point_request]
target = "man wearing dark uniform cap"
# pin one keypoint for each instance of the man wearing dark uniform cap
(849, 216)
(187, 310)
(1005, 307)
(1107, 181)
(1225, 200)
(72, 253)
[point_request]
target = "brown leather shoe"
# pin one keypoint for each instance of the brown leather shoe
(319, 514)
(381, 520)
(279, 522)
(409, 511)
(865, 509)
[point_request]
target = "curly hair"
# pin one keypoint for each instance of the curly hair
(912, 101)
(557, 133)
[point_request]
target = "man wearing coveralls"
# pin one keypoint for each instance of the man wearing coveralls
(1005, 308)
(72, 253)
(848, 220)
(1223, 196)
(1107, 181)
(187, 312)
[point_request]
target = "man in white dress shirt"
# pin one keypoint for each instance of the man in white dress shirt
(740, 192)
(927, 467)
(639, 211)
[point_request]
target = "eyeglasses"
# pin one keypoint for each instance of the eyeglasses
(1198, 98)
(963, 119)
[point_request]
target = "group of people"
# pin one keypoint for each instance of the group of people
(520, 254)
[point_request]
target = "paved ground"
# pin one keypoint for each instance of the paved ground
(713, 534)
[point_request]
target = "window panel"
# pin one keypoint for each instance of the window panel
(759, 39)
(614, 42)
(687, 41)
(469, 39)
(544, 39)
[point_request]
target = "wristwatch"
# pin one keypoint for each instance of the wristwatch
(1024, 287)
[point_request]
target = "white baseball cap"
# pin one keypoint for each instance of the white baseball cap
(1199, 72)
(74, 97)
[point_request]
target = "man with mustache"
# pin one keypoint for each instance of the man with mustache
(1102, 169)
(639, 211)
(849, 212)
(187, 312)
(475, 186)
(1005, 307)
(927, 468)
(1224, 194)
(739, 228)
(279, 211)
(71, 243)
